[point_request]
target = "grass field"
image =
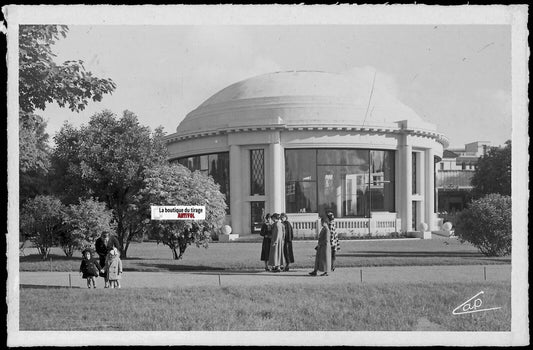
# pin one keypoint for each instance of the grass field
(386, 307)
(149, 256)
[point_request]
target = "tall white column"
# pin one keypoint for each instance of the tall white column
(276, 192)
(430, 188)
(235, 186)
(407, 189)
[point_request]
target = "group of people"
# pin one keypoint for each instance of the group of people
(276, 250)
(108, 266)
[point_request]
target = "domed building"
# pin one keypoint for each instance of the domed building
(308, 142)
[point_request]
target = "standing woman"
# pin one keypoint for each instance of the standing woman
(323, 250)
(335, 244)
(287, 244)
(276, 248)
(266, 232)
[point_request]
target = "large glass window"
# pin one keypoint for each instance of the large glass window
(257, 172)
(349, 182)
(414, 173)
(300, 197)
(215, 165)
(300, 181)
(300, 165)
(382, 181)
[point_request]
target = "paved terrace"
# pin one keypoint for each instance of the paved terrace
(183, 279)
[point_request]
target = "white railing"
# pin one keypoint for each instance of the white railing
(382, 225)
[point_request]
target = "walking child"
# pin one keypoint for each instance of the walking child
(113, 268)
(89, 268)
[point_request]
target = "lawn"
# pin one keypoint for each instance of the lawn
(346, 307)
(149, 256)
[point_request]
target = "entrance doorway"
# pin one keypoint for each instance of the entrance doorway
(257, 213)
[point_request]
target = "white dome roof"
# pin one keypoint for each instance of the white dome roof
(300, 98)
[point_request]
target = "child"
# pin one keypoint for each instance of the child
(89, 268)
(113, 268)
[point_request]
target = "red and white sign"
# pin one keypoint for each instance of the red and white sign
(178, 212)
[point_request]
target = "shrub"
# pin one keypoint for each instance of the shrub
(486, 223)
(85, 222)
(177, 185)
(41, 222)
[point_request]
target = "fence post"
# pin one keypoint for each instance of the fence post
(219, 284)
(69, 281)
(485, 273)
(50, 258)
(371, 226)
(361, 275)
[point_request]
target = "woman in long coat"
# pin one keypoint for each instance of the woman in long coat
(323, 250)
(266, 232)
(276, 248)
(288, 254)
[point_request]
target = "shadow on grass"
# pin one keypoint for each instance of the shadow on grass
(40, 286)
(170, 267)
(54, 257)
(502, 259)
(411, 254)
(254, 273)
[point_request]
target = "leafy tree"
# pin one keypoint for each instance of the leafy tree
(34, 157)
(493, 172)
(42, 81)
(487, 224)
(84, 223)
(177, 185)
(106, 159)
(41, 222)
(34, 151)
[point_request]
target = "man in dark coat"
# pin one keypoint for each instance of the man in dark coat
(287, 244)
(104, 244)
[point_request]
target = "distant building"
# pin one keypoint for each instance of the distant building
(309, 142)
(454, 173)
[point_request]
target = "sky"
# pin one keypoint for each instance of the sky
(455, 76)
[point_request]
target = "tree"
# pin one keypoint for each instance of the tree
(34, 151)
(84, 223)
(177, 185)
(42, 81)
(493, 172)
(34, 157)
(487, 224)
(106, 159)
(41, 222)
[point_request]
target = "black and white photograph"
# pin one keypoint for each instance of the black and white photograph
(267, 175)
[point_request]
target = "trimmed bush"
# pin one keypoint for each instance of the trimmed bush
(41, 221)
(486, 224)
(84, 223)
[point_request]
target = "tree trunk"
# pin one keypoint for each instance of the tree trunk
(122, 234)
(44, 251)
(174, 253)
(125, 250)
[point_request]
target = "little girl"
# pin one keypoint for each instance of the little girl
(113, 268)
(89, 268)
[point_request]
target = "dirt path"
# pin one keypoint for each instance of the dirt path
(391, 274)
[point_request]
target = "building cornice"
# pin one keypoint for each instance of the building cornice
(370, 129)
